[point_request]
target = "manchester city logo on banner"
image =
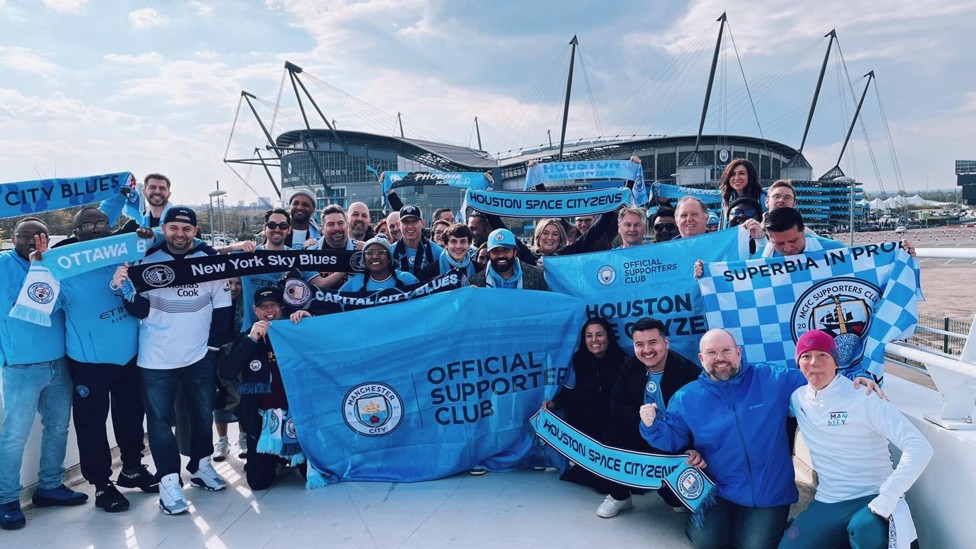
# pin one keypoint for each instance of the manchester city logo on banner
(691, 484)
(606, 275)
(372, 409)
(297, 292)
(158, 276)
(40, 292)
(841, 307)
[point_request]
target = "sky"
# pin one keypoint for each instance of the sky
(97, 87)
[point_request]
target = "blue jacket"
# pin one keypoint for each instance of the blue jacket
(739, 427)
(22, 342)
(98, 328)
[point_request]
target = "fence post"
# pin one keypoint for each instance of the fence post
(945, 338)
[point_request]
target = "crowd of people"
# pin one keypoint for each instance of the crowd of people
(195, 356)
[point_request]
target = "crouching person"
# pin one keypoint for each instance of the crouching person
(263, 409)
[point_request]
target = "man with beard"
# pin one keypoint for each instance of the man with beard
(380, 272)
(335, 236)
(652, 375)
(359, 221)
(735, 414)
(444, 214)
(663, 226)
(480, 228)
(155, 189)
(104, 376)
(181, 330)
(35, 380)
(504, 269)
(414, 252)
(303, 227)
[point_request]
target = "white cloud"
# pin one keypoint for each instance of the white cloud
(65, 6)
(151, 57)
(203, 9)
(26, 60)
(146, 18)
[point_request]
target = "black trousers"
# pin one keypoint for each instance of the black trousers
(261, 470)
(628, 437)
(99, 388)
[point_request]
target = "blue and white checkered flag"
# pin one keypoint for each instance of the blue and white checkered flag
(863, 297)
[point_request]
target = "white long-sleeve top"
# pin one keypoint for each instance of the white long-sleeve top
(848, 434)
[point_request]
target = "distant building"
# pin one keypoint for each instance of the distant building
(966, 178)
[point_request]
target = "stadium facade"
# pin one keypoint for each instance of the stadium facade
(966, 178)
(342, 167)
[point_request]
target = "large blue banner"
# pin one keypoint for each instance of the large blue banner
(44, 195)
(863, 297)
(446, 383)
(656, 280)
(675, 192)
(551, 172)
(463, 180)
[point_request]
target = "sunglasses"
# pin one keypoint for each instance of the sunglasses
(273, 225)
(665, 227)
(88, 226)
(742, 213)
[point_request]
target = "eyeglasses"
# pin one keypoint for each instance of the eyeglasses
(781, 198)
(26, 236)
(89, 226)
(273, 225)
(375, 253)
(665, 227)
(726, 352)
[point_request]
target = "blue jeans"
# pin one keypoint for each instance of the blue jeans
(728, 524)
(43, 387)
(159, 388)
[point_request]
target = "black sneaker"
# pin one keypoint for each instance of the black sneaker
(140, 478)
(62, 496)
(11, 516)
(109, 498)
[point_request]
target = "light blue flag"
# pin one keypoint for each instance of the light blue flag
(674, 192)
(44, 195)
(657, 280)
(452, 387)
(549, 172)
(863, 297)
(546, 204)
(463, 180)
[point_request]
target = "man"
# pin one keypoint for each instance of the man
(104, 376)
(303, 227)
(359, 221)
(504, 269)
(780, 194)
(335, 236)
(692, 217)
(663, 226)
(785, 232)
(631, 226)
(444, 214)
(457, 254)
(735, 414)
(181, 330)
(653, 374)
(35, 380)
(478, 223)
(393, 226)
(583, 223)
(253, 360)
(414, 251)
(155, 189)
(843, 427)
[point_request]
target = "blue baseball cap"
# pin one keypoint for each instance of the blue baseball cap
(501, 238)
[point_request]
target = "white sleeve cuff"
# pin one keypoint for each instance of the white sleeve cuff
(883, 505)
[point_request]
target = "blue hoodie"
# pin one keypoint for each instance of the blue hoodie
(23, 342)
(739, 427)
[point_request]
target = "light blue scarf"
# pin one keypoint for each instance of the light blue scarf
(447, 263)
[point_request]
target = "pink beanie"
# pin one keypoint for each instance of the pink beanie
(815, 340)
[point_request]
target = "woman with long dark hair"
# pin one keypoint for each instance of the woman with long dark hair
(585, 395)
(740, 179)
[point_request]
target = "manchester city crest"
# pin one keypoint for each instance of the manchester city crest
(843, 308)
(606, 275)
(691, 484)
(297, 293)
(372, 409)
(40, 292)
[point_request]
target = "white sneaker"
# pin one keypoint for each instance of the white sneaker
(610, 507)
(207, 478)
(242, 446)
(221, 449)
(171, 498)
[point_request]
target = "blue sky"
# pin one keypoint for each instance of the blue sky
(92, 87)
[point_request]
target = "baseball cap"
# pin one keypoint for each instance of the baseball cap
(266, 293)
(410, 211)
(180, 214)
(500, 238)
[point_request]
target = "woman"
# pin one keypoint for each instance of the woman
(437, 232)
(739, 179)
(380, 273)
(585, 395)
(549, 237)
(381, 228)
